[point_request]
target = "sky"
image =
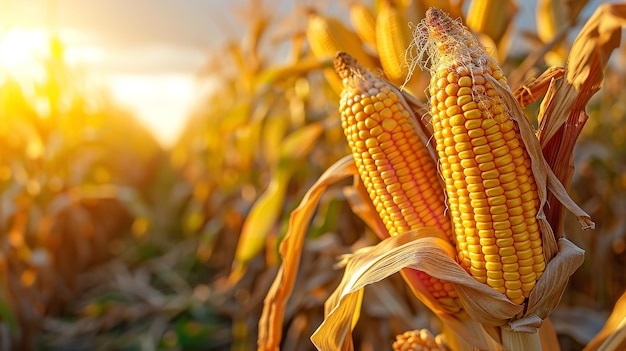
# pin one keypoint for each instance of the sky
(147, 52)
(144, 52)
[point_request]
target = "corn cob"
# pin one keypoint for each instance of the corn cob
(490, 17)
(393, 37)
(492, 194)
(416, 340)
(327, 36)
(364, 22)
(394, 164)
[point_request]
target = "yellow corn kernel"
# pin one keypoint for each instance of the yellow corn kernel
(417, 340)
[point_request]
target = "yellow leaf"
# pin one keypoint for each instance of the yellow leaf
(258, 224)
(299, 143)
(267, 209)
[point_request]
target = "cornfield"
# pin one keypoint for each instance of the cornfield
(386, 175)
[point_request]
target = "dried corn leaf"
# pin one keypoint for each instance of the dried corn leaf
(547, 293)
(271, 322)
(562, 115)
(559, 154)
(424, 249)
(533, 89)
(585, 69)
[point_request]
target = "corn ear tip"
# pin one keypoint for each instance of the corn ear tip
(343, 63)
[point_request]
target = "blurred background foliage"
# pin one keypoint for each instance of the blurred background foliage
(110, 241)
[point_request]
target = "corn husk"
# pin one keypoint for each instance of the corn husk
(562, 115)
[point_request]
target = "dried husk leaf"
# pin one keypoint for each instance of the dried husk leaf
(271, 321)
(558, 151)
(515, 340)
(424, 249)
(534, 89)
(562, 116)
(559, 154)
(585, 69)
(547, 100)
(547, 293)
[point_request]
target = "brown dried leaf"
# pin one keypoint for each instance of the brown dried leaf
(586, 63)
(533, 89)
(271, 322)
(563, 116)
(546, 295)
(559, 154)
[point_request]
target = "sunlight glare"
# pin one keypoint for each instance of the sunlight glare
(19, 50)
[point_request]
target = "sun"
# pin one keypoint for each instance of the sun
(20, 49)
